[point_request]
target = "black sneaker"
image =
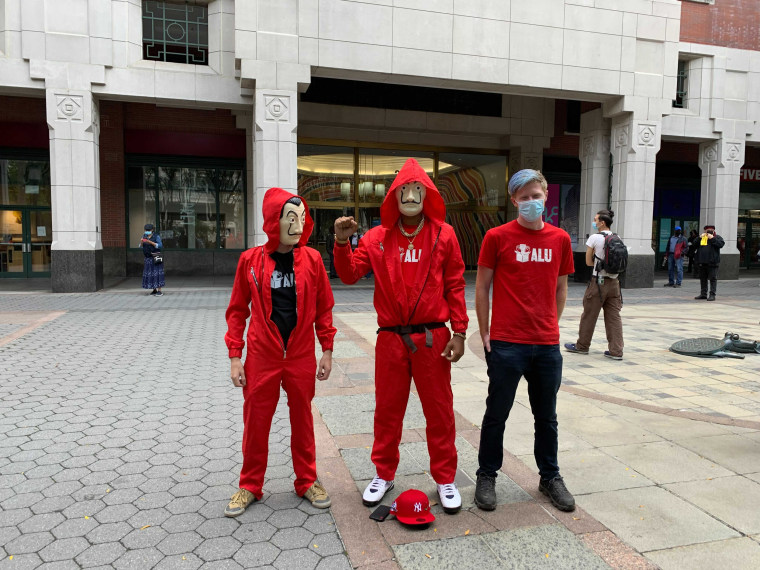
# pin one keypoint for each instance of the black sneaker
(711, 298)
(701, 297)
(485, 492)
(557, 492)
(668, 285)
(152, 292)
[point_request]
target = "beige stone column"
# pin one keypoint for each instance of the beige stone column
(721, 161)
(77, 251)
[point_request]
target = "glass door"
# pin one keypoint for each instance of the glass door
(748, 242)
(13, 261)
(26, 237)
(40, 234)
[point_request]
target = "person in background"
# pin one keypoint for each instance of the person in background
(693, 243)
(677, 244)
(708, 258)
(153, 273)
(330, 244)
(602, 293)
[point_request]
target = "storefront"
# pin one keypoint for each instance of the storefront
(676, 203)
(748, 233)
(26, 232)
(197, 205)
(353, 181)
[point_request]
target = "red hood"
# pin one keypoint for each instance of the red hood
(433, 206)
(274, 200)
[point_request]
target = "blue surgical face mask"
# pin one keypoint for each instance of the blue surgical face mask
(593, 225)
(531, 210)
(148, 232)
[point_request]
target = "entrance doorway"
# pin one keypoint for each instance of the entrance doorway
(662, 229)
(26, 236)
(748, 242)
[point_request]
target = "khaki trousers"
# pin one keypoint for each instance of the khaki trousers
(593, 302)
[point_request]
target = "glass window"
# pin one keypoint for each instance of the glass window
(187, 208)
(378, 169)
(192, 208)
(141, 184)
(175, 32)
(229, 184)
(474, 189)
(326, 173)
(24, 182)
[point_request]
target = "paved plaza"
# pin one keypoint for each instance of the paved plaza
(120, 443)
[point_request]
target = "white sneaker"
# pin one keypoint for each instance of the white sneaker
(375, 491)
(451, 500)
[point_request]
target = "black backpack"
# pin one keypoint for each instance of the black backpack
(615, 255)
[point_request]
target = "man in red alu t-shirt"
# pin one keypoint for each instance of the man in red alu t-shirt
(528, 262)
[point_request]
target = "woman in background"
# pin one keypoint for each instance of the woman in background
(153, 273)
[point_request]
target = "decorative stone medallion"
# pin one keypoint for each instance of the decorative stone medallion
(69, 107)
(276, 108)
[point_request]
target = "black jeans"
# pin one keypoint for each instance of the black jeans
(708, 273)
(542, 367)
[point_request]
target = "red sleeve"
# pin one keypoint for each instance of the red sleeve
(453, 284)
(567, 266)
(488, 252)
(238, 309)
(352, 265)
(325, 303)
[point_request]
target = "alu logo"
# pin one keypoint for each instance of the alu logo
(524, 253)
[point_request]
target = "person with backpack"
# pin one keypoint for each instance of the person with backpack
(677, 245)
(607, 254)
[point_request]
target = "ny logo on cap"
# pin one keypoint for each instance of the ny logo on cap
(417, 507)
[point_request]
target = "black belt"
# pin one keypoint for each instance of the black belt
(405, 331)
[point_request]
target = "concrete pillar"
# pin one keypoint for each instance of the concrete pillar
(721, 162)
(77, 250)
(635, 144)
(595, 182)
(275, 149)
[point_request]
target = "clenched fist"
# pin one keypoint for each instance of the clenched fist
(345, 227)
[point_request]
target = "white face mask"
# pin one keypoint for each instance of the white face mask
(292, 223)
(410, 197)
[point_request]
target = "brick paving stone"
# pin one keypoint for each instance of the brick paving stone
(179, 562)
(218, 527)
(100, 554)
(63, 549)
(301, 558)
(28, 543)
(257, 554)
(218, 548)
(288, 538)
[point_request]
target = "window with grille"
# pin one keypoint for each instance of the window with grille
(175, 32)
(681, 84)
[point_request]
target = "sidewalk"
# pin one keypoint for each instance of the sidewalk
(122, 457)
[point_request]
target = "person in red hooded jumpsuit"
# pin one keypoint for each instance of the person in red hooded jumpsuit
(284, 288)
(419, 286)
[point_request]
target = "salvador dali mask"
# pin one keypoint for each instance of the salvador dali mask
(410, 198)
(292, 222)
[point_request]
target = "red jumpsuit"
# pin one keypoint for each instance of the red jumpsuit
(436, 296)
(267, 364)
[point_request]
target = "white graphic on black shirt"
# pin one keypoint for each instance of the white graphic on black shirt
(280, 280)
(524, 253)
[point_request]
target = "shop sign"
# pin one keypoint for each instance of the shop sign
(750, 174)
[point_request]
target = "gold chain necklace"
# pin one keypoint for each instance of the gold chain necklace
(412, 235)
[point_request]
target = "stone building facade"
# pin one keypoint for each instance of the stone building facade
(116, 113)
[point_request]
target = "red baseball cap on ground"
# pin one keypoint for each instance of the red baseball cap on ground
(412, 507)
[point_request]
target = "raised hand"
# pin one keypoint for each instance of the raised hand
(345, 227)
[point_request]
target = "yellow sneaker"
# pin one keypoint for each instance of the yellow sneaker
(239, 503)
(317, 495)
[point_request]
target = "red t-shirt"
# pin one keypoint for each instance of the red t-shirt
(411, 258)
(526, 266)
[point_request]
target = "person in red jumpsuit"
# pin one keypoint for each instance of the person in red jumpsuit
(419, 286)
(284, 288)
